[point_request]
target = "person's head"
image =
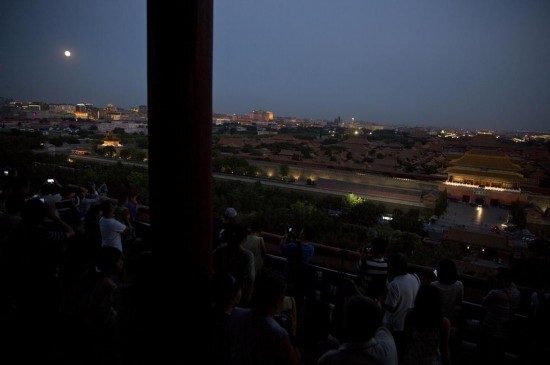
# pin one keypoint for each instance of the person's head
(307, 233)
(427, 307)
(379, 245)
(269, 292)
(122, 198)
(446, 272)
(399, 264)
(109, 260)
(504, 276)
(107, 208)
(49, 188)
(132, 196)
(94, 213)
(229, 215)
(254, 226)
(361, 318)
(33, 212)
(237, 233)
(67, 192)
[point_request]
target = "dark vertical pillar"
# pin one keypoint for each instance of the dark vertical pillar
(179, 56)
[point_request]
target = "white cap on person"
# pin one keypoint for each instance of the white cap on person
(230, 213)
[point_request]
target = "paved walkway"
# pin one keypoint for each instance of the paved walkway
(471, 217)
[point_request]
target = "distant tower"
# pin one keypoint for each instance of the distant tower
(81, 111)
(111, 108)
(81, 108)
(111, 140)
(261, 116)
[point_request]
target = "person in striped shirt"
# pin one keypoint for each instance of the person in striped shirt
(372, 269)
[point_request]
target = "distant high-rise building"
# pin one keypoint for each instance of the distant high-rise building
(261, 116)
(111, 108)
(80, 108)
(62, 108)
(81, 111)
(142, 109)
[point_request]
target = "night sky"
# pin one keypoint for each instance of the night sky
(462, 63)
(470, 63)
(108, 44)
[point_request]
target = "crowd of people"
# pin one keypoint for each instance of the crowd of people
(386, 315)
(74, 274)
(64, 258)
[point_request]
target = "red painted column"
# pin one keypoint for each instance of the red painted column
(179, 56)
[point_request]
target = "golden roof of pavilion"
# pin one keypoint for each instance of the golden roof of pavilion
(484, 140)
(496, 175)
(486, 160)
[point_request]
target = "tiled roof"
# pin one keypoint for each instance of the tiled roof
(281, 138)
(231, 142)
(492, 162)
(484, 140)
(288, 153)
(502, 175)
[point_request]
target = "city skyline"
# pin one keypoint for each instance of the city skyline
(469, 65)
(107, 44)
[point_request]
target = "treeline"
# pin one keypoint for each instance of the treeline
(344, 222)
(16, 155)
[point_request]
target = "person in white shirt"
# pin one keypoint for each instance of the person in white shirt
(111, 229)
(367, 341)
(400, 298)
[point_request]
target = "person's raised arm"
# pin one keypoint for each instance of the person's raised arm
(69, 231)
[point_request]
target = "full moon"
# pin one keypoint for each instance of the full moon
(67, 53)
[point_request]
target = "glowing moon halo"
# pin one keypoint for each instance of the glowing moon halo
(67, 53)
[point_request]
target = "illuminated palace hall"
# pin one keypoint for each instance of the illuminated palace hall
(485, 175)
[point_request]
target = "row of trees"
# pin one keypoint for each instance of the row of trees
(357, 223)
(16, 154)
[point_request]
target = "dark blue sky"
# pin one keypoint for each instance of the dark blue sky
(107, 39)
(468, 63)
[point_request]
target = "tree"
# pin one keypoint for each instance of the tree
(109, 151)
(518, 212)
(362, 212)
(142, 142)
(441, 203)
(408, 222)
(404, 242)
(284, 170)
(126, 153)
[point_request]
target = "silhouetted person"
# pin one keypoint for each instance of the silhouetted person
(427, 331)
(502, 303)
(400, 298)
(257, 337)
(372, 278)
(366, 340)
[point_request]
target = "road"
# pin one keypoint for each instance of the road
(326, 187)
(108, 160)
(339, 189)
